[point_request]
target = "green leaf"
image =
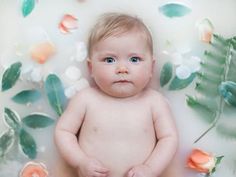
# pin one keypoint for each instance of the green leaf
(177, 84)
(218, 160)
(27, 144)
(202, 108)
(174, 10)
(26, 96)
(10, 76)
(6, 142)
(37, 120)
(12, 119)
(55, 93)
(27, 7)
(227, 90)
(166, 73)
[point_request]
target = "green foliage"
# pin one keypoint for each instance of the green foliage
(10, 76)
(27, 144)
(26, 96)
(37, 121)
(178, 84)
(6, 142)
(215, 86)
(27, 7)
(166, 73)
(55, 93)
(174, 10)
(12, 119)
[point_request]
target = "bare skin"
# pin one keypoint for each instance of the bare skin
(125, 128)
(118, 141)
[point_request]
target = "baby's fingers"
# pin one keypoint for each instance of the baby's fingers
(101, 170)
(97, 174)
(130, 173)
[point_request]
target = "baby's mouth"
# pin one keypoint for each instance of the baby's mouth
(122, 81)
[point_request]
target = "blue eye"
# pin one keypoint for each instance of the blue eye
(109, 60)
(135, 59)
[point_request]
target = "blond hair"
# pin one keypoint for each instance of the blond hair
(114, 24)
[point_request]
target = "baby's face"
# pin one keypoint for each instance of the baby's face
(122, 65)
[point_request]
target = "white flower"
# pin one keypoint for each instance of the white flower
(185, 65)
(72, 81)
(73, 73)
(81, 52)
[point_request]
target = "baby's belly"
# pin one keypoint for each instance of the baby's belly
(116, 153)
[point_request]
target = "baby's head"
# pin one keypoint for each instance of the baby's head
(115, 24)
(120, 55)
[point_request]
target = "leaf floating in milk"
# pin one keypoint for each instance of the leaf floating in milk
(174, 10)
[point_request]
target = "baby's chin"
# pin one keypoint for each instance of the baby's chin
(121, 93)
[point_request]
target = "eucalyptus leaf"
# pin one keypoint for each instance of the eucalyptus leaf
(11, 75)
(55, 93)
(166, 73)
(12, 119)
(174, 10)
(6, 142)
(27, 7)
(27, 96)
(27, 144)
(177, 84)
(37, 120)
(227, 90)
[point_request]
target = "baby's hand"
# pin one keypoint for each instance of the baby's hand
(92, 168)
(140, 171)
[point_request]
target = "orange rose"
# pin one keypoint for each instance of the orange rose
(201, 161)
(33, 169)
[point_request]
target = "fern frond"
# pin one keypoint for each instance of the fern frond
(218, 66)
(220, 59)
(226, 130)
(207, 113)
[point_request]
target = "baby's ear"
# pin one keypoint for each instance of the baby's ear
(89, 64)
(153, 64)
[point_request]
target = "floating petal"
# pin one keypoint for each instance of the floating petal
(81, 51)
(42, 51)
(183, 72)
(205, 30)
(68, 23)
(73, 73)
(33, 169)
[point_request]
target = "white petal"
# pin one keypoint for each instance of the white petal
(183, 72)
(70, 91)
(177, 58)
(81, 51)
(73, 73)
(36, 75)
(193, 63)
(82, 83)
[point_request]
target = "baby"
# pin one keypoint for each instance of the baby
(119, 127)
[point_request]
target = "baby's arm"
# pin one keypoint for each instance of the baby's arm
(167, 143)
(66, 140)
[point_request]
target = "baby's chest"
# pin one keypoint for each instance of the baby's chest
(126, 119)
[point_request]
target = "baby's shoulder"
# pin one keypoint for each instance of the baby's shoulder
(156, 97)
(84, 94)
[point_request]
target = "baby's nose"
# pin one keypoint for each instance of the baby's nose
(122, 70)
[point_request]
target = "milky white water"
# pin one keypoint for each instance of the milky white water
(180, 32)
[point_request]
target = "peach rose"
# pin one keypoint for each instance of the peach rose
(201, 161)
(33, 169)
